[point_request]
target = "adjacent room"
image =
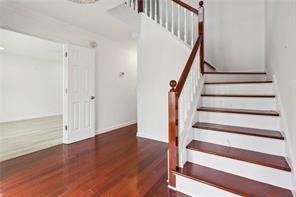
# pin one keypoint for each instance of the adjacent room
(31, 94)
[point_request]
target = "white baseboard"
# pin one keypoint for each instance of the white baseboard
(125, 124)
(151, 137)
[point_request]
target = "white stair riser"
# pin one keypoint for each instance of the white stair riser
(245, 89)
(198, 189)
(239, 103)
(243, 120)
(245, 169)
(233, 78)
(253, 143)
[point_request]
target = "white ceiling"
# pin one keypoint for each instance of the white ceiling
(92, 17)
(21, 44)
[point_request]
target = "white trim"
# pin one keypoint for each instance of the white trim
(151, 137)
(108, 129)
(283, 123)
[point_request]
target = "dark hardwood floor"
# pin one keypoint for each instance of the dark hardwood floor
(112, 164)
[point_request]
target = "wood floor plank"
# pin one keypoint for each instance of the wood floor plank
(231, 183)
(113, 164)
(263, 159)
(239, 130)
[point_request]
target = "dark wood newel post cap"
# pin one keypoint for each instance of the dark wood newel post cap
(201, 3)
(173, 85)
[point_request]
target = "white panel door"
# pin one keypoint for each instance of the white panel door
(79, 99)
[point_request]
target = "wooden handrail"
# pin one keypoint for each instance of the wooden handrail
(176, 90)
(185, 5)
(188, 65)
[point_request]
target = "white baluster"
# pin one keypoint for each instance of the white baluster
(188, 94)
(189, 87)
(179, 22)
(184, 101)
(185, 26)
(166, 15)
(132, 4)
(155, 10)
(198, 62)
(196, 71)
(192, 31)
(194, 76)
(136, 6)
(128, 3)
(146, 7)
(192, 83)
(180, 112)
(172, 26)
(151, 9)
(161, 12)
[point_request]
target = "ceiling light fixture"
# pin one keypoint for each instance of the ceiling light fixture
(2, 48)
(84, 1)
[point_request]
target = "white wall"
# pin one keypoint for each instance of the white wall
(161, 58)
(234, 34)
(117, 103)
(110, 61)
(32, 87)
(280, 58)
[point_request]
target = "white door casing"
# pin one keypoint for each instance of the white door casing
(79, 87)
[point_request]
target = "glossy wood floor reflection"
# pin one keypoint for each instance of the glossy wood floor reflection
(113, 164)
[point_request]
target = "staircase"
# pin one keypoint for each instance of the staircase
(237, 146)
(225, 136)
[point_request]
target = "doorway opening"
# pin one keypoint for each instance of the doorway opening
(46, 97)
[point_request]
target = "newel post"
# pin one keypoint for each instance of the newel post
(173, 133)
(201, 16)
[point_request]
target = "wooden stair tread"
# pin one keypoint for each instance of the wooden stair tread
(239, 95)
(231, 183)
(237, 73)
(237, 82)
(239, 111)
(263, 159)
(240, 130)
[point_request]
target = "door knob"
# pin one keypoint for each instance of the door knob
(92, 98)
